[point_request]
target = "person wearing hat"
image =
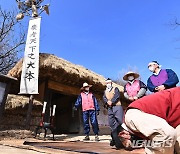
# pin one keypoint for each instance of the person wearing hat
(156, 119)
(134, 88)
(90, 110)
(161, 78)
(111, 99)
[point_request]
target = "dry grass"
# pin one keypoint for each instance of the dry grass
(15, 101)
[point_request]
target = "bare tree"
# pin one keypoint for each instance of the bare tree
(176, 22)
(120, 80)
(12, 40)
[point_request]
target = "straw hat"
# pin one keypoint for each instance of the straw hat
(136, 75)
(85, 84)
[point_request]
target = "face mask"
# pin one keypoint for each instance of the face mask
(152, 68)
(86, 89)
(130, 78)
(109, 85)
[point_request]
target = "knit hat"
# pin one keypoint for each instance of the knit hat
(154, 62)
(108, 80)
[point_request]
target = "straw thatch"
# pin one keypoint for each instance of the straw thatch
(15, 101)
(60, 70)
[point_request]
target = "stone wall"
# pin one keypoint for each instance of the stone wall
(16, 118)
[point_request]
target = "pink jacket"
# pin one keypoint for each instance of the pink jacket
(133, 89)
(87, 102)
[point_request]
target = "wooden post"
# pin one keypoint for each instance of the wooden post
(3, 92)
(29, 111)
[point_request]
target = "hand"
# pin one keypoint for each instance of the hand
(126, 138)
(135, 97)
(74, 108)
(109, 103)
(156, 88)
(131, 98)
(125, 134)
(160, 88)
(97, 113)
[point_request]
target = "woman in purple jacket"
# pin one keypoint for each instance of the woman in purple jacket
(161, 78)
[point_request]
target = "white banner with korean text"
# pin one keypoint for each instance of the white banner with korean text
(30, 69)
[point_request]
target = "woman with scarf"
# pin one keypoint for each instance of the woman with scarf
(134, 88)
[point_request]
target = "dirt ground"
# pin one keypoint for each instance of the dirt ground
(65, 144)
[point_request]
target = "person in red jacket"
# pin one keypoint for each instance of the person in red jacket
(155, 117)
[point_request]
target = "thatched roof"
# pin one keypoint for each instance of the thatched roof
(57, 69)
(14, 101)
(6, 78)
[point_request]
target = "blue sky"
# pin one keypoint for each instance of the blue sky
(109, 36)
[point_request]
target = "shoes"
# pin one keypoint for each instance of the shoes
(118, 148)
(86, 138)
(112, 143)
(97, 138)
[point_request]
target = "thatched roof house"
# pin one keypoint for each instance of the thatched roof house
(59, 83)
(62, 71)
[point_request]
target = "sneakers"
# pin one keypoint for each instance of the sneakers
(97, 138)
(112, 143)
(86, 138)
